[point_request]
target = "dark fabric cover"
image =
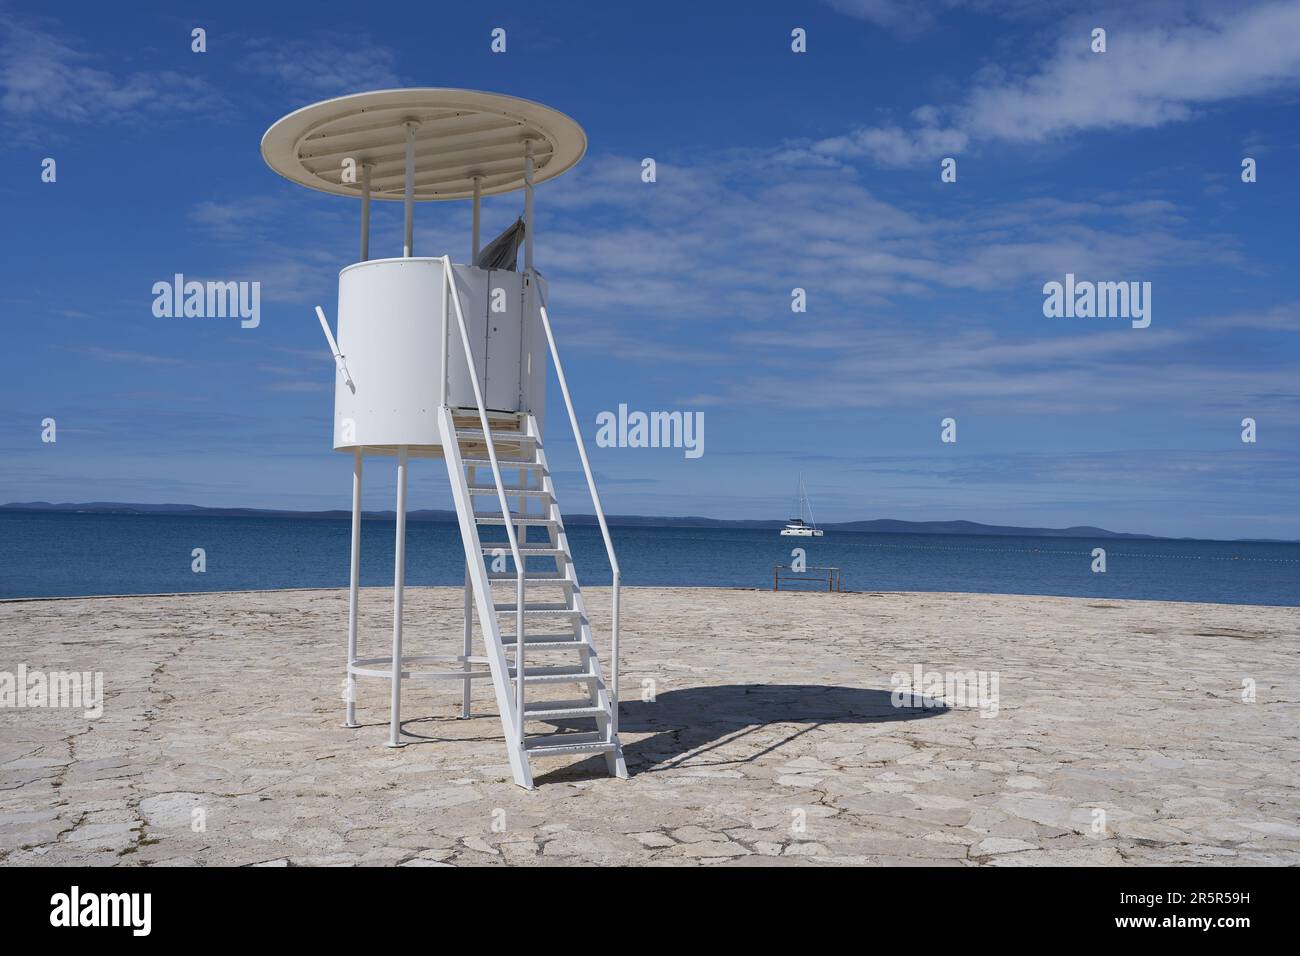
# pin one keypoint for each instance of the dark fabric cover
(503, 251)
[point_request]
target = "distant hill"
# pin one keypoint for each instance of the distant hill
(876, 526)
(892, 526)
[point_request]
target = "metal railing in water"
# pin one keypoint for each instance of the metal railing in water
(449, 284)
(595, 500)
(831, 577)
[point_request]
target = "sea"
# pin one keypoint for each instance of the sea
(55, 554)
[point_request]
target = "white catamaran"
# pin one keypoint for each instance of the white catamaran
(798, 527)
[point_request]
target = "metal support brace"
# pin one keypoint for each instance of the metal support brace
(409, 196)
(399, 588)
(365, 211)
(350, 683)
(478, 202)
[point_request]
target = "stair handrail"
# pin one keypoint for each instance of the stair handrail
(449, 285)
(595, 500)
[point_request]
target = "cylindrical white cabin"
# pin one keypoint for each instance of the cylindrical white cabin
(393, 319)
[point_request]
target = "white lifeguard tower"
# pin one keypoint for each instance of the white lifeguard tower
(437, 359)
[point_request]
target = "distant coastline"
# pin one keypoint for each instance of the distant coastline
(873, 526)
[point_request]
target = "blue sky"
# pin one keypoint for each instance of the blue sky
(775, 170)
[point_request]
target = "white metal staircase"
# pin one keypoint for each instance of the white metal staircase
(544, 645)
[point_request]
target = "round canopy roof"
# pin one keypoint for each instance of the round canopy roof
(461, 134)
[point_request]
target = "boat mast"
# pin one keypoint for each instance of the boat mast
(803, 490)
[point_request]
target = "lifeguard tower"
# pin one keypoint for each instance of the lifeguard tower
(445, 360)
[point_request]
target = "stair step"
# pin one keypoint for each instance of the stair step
(470, 413)
(503, 462)
(530, 577)
(548, 610)
(545, 642)
(558, 674)
(562, 709)
(491, 547)
(511, 492)
(542, 745)
(476, 436)
(495, 517)
(560, 643)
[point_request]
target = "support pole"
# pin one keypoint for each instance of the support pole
(469, 641)
(399, 586)
(410, 186)
(520, 668)
(525, 339)
(613, 657)
(528, 207)
(365, 211)
(478, 200)
(354, 583)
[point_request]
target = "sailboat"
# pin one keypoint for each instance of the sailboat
(798, 527)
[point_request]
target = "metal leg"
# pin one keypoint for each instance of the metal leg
(399, 586)
(409, 193)
(474, 230)
(469, 641)
(529, 220)
(365, 211)
(350, 687)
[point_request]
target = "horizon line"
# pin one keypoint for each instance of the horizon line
(925, 526)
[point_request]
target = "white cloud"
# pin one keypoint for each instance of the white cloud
(734, 236)
(895, 146)
(45, 80)
(123, 355)
(323, 66)
(890, 363)
(1280, 318)
(908, 310)
(904, 18)
(1150, 75)
(235, 220)
(908, 19)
